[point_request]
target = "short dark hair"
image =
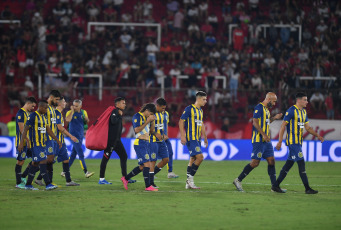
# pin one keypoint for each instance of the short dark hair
(300, 95)
(150, 107)
(118, 99)
(61, 98)
(55, 93)
(200, 94)
(42, 102)
(161, 101)
(30, 100)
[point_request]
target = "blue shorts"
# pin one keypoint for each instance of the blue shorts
(51, 146)
(142, 149)
(262, 150)
(62, 154)
(38, 153)
(194, 147)
(295, 152)
(25, 153)
(160, 148)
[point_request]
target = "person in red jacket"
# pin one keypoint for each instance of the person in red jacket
(238, 38)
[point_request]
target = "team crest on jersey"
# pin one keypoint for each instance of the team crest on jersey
(50, 149)
(146, 156)
(23, 155)
(75, 117)
(153, 155)
(197, 149)
(19, 117)
(183, 112)
(135, 120)
(256, 111)
(42, 154)
(286, 114)
(28, 118)
(300, 154)
(57, 117)
(259, 155)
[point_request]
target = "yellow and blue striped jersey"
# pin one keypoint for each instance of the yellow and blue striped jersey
(59, 120)
(21, 117)
(296, 119)
(166, 121)
(159, 126)
(138, 120)
(51, 120)
(193, 118)
(37, 124)
(262, 113)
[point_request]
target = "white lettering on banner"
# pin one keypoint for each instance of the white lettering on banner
(282, 152)
(224, 150)
(6, 145)
(332, 149)
(319, 156)
(311, 147)
(132, 150)
(180, 151)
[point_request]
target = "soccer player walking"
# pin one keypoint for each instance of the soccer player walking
(114, 141)
(141, 124)
(261, 144)
(37, 126)
(171, 174)
(61, 154)
(76, 118)
(295, 120)
(191, 129)
(20, 119)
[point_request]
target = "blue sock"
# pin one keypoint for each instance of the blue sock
(247, 169)
(146, 176)
(133, 173)
(170, 163)
(156, 170)
(284, 171)
(188, 170)
(39, 177)
(31, 173)
(49, 168)
(303, 174)
(18, 173)
(44, 173)
(272, 174)
(151, 177)
(25, 173)
(66, 170)
(194, 169)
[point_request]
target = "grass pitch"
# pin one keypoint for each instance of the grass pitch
(217, 205)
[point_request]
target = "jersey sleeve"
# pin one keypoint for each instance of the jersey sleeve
(167, 117)
(186, 113)
(85, 113)
(20, 116)
(58, 117)
(68, 113)
(136, 121)
(258, 112)
(288, 115)
(306, 117)
(30, 120)
(115, 117)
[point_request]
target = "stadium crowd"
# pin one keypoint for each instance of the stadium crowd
(52, 37)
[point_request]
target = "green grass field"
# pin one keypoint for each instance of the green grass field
(216, 206)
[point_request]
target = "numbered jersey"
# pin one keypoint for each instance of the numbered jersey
(296, 119)
(263, 115)
(193, 118)
(37, 124)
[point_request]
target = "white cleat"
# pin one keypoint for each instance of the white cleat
(89, 174)
(190, 184)
(62, 174)
(238, 185)
(172, 175)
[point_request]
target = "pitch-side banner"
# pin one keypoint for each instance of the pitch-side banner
(217, 150)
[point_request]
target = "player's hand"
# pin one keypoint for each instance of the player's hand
(159, 136)
(279, 145)
(151, 118)
(320, 138)
(165, 137)
(206, 142)
(266, 138)
(21, 146)
(183, 140)
(120, 112)
(72, 109)
(74, 139)
(60, 144)
(278, 116)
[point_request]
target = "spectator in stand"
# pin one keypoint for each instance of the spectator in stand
(160, 76)
(318, 73)
(269, 61)
(118, 5)
(253, 5)
(93, 11)
(134, 71)
(213, 20)
(122, 53)
(329, 106)
(172, 6)
(256, 82)
(322, 28)
(125, 39)
(152, 49)
(138, 11)
(206, 28)
(226, 125)
(192, 14)
(285, 34)
(67, 65)
(147, 8)
(317, 101)
(178, 22)
(110, 14)
(150, 75)
(21, 57)
(238, 38)
(188, 3)
(36, 19)
(58, 11)
(210, 40)
(192, 28)
(203, 10)
(123, 76)
(190, 72)
(6, 14)
(174, 73)
(234, 80)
